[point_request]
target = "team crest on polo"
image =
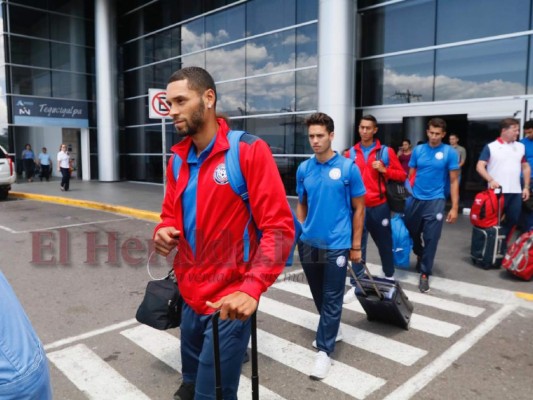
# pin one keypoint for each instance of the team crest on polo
(335, 173)
(220, 175)
(439, 155)
(341, 261)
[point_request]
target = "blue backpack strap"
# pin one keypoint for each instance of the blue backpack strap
(384, 155)
(176, 165)
(237, 183)
(353, 154)
(346, 180)
(233, 166)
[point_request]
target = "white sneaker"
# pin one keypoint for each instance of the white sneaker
(349, 296)
(389, 278)
(321, 367)
(337, 339)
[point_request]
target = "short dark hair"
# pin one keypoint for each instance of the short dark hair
(437, 123)
(320, 119)
(454, 134)
(370, 117)
(198, 79)
(528, 124)
(406, 140)
(506, 123)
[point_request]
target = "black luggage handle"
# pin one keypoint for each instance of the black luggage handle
(379, 294)
(216, 350)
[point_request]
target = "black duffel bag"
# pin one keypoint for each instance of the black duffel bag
(162, 303)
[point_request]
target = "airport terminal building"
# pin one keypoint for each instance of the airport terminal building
(79, 72)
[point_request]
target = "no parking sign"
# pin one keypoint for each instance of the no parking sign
(157, 104)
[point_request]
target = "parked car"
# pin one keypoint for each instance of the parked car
(8, 175)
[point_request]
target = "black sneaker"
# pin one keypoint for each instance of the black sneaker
(185, 392)
(423, 286)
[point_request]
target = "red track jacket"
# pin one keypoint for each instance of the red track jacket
(370, 175)
(221, 217)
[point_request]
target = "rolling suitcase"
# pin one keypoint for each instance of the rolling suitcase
(383, 300)
(486, 244)
(218, 372)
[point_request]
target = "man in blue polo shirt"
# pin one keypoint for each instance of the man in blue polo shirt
(431, 163)
(331, 208)
(527, 141)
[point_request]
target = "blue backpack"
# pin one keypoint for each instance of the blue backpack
(238, 184)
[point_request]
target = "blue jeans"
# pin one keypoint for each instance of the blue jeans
(197, 357)
(325, 271)
(424, 220)
(377, 222)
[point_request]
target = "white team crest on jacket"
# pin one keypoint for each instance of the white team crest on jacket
(439, 155)
(335, 173)
(341, 261)
(220, 175)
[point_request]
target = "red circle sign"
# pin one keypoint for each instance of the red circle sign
(159, 104)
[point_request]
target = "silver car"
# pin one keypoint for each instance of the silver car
(8, 174)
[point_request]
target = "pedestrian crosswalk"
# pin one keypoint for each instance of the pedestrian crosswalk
(95, 378)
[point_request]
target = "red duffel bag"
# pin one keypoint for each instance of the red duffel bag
(519, 257)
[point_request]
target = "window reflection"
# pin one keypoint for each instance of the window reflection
(482, 70)
(27, 81)
(230, 98)
(399, 79)
(193, 36)
(225, 26)
(306, 46)
(455, 18)
(306, 89)
(226, 62)
(271, 94)
(271, 53)
(401, 26)
(264, 16)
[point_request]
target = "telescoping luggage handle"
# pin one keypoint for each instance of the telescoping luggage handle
(216, 349)
(358, 283)
(499, 192)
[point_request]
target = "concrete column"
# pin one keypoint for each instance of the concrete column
(336, 67)
(85, 154)
(106, 91)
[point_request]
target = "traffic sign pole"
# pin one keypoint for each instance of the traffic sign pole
(159, 109)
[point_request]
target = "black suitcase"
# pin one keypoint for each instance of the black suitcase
(383, 300)
(487, 243)
(255, 371)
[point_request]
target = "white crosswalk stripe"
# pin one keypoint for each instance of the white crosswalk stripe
(341, 376)
(380, 345)
(97, 379)
(166, 348)
(418, 322)
(93, 376)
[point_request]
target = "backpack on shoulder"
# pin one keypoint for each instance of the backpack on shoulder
(238, 184)
(484, 211)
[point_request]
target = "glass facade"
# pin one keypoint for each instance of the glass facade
(49, 60)
(262, 55)
(429, 50)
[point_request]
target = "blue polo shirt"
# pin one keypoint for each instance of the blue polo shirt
(188, 199)
(432, 170)
(328, 224)
(528, 143)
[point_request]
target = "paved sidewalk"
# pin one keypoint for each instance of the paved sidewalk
(131, 198)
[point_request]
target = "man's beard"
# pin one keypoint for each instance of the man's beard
(196, 122)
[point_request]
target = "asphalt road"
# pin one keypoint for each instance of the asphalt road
(81, 274)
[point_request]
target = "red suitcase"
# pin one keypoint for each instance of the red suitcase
(519, 257)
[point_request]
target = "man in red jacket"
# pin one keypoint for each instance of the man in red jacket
(376, 168)
(205, 220)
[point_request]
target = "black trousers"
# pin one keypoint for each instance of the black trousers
(65, 180)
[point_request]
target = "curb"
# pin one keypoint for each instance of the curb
(524, 296)
(132, 212)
